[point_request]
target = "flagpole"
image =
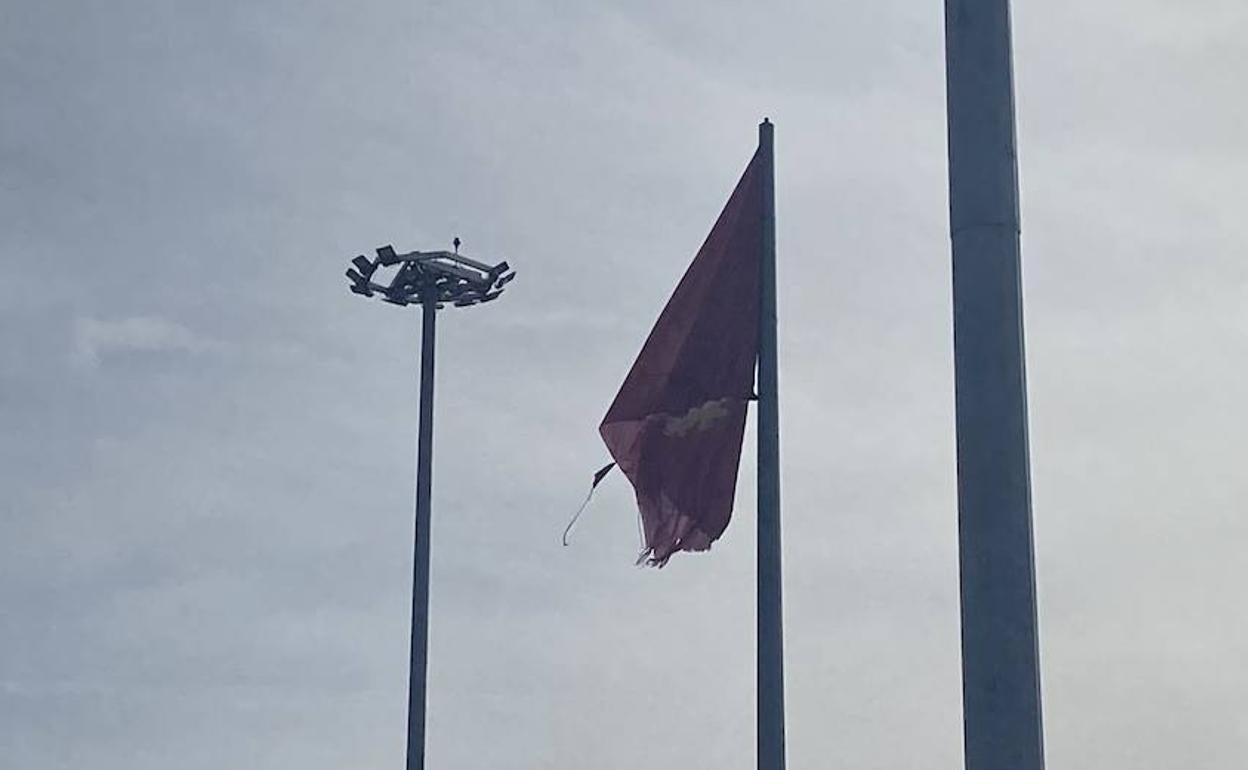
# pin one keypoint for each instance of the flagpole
(1000, 652)
(770, 670)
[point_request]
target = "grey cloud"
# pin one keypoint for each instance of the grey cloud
(96, 339)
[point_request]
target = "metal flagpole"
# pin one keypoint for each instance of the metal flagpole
(420, 568)
(1000, 654)
(770, 619)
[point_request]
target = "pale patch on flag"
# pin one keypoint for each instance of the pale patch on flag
(698, 419)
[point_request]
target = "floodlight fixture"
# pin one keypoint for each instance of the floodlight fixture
(439, 277)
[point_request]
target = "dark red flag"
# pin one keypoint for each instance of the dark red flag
(676, 426)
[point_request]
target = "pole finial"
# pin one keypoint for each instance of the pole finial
(456, 243)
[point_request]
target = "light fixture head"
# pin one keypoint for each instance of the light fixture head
(387, 257)
(365, 265)
(441, 277)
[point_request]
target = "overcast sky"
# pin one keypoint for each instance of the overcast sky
(207, 443)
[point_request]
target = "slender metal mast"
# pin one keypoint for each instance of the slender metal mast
(1000, 655)
(420, 566)
(770, 670)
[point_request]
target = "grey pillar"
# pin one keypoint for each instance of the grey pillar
(1000, 656)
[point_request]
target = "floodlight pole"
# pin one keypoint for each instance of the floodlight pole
(429, 279)
(420, 563)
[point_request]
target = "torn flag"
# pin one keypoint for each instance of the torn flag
(677, 423)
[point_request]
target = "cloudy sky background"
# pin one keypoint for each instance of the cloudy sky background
(207, 443)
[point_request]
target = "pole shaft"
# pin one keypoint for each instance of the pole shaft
(770, 630)
(420, 566)
(1000, 653)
